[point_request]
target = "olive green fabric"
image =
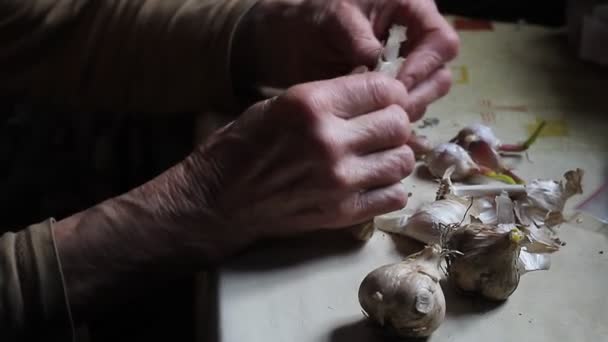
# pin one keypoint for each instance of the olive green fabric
(32, 300)
(111, 88)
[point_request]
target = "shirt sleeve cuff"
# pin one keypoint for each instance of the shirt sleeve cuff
(35, 300)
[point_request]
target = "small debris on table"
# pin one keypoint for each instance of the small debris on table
(429, 122)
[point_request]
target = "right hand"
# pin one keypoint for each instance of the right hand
(325, 154)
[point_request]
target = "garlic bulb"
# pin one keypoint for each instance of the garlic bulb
(406, 297)
(489, 264)
(442, 157)
(476, 132)
(390, 62)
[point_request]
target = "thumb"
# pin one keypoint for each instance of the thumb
(361, 43)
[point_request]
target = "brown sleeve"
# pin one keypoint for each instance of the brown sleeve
(32, 298)
(120, 55)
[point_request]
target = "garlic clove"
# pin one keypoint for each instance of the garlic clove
(393, 222)
(443, 156)
(482, 153)
(476, 132)
(424, 225)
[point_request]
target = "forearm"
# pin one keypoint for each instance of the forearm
(142, 55)
(145, 237)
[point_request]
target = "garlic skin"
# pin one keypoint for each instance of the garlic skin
(406, 297)
(489, 265)
(545, 200)
(443, 156)
(476, 132)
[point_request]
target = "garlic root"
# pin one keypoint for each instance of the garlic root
(406, 297)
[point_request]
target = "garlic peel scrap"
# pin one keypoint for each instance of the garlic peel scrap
(545, 200)
(530, 262)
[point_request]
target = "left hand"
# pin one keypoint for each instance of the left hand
(303, 40)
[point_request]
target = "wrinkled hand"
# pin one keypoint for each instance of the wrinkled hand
(325, 154)
(297, 41)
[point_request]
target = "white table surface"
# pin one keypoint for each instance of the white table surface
(306, 289)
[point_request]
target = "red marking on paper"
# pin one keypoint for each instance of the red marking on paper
(507, 108)
(462, 24)
(488, 117)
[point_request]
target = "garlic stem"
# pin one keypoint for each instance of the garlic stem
(487, 189)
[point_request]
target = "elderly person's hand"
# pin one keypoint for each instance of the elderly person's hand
(325, 154)
(302, 40)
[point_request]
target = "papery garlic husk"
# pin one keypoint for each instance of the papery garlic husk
(446, 155)
(406, 297)
(499, 214)
(489, 264)
(476, 132)
(545, 200)
(390, 62)
(425, 224)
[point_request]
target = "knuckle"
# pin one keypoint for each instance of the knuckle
(396, 198)
(325, 147)
(338, 177)
(383, 89)
(404, 161)
(347, 209)
(399, 124)
(302, 101)
(444, 81)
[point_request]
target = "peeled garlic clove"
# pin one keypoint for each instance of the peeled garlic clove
(476, 132)
(489, 265)
(406, 297)
(390, 62)
(442, 157)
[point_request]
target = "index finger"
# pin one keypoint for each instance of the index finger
(434, 42)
